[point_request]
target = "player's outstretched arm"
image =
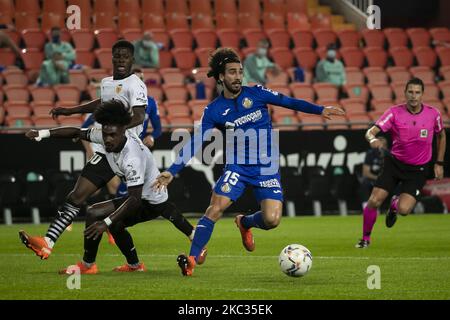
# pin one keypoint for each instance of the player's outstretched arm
(84, 108)
(330, 112)
(63, 132)
(162, 181)
(130, 206)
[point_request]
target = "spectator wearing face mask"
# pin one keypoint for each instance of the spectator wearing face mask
(330, 69)
(257, 64)
(54, 71)
(146, 52)
(58, 46)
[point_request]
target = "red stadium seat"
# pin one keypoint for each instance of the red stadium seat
(280, 111)
(68, 94)
(203, 55)
(311, 121)
(359, 121)
(15, 77)
(306, 58)
(273, 21)
(253, 36)
(380, 91)
(161, 36)
(225, 6)
(349, 38)
(353, 57)
(132, 35)
(108, 6)
(197, 107)
(283, 89)
(250, 6)
(177, 6)
(399, 91)
(106, 37)
(182, 38)
(104, 20)
(444, 55)
(165, 59)
(396, 37)
(297, 6)
(176, 21)
(205, 38)
(23, 21)
(302, 38)
(248, 21)
(353, 105)
(445, 72)
(182, 122)
(50, 20)
(226, 21)
(28, 6)
(373, 38)
(201, 6)
(360, 92)
(83, 39)
(398, 74)
(431, 92)
(192, 89)
(185, 59)
(104, 57)
(18, 111)
(85, 57)
(32, 58)
(34, 38)
(201, 21)
(172, 76)
(96, 75)
(275, 6)
(445, 89)
(426, 74)
(282, 78)
(440, 34)
(128, 21)
(16, 94)
(354, 76)
(78, 79)
(326, 91)
(425, 56)
(279, 38)
(337, 123)
(43, 96)
(419, 37)
(177, 110)
(229, 38)
(175, 92)
(303, 91)
(129, 6)
(324, 37)
(320, 21)
(71, 121)
(286, 123)
(376, 57)
(154, 7)
(402, 56)
(7, 57)
(153, 21)
(297, 21)
(380, 106)
(283, 57)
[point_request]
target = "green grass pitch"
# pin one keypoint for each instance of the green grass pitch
(414, 260)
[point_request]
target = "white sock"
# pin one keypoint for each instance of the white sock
(191, 237)
(50, 242)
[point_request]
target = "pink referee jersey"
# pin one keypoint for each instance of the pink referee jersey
(412, 134)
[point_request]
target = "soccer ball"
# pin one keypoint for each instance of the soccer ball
(295, 260)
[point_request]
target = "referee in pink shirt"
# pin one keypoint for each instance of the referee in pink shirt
(412, 127)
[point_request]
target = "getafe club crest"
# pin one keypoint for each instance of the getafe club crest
(225, 188)
(247, 103)
(119, 89)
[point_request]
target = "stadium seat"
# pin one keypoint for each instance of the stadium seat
(182, 122)
(176, 21)
(28, 6)
(85, 57)
(132, 35)
(306, 58)
(182, 38)
(185, 59)
(203, 55)
(108, 6)
(34, 38)
(376, 57)
(445, 89)
(50, 20)
(302, 38)
(253, 36)
(172, 76)
(2, 114)
(354, 76)
(282, 78)
(201, 74)
(326, 91)
(45, 122)
(357, 91)
(402, 56)
(132, 7)
(275, 6)
(205, 38)
(17, 122)
(302, 91)
(160, 36)
(197, 107)
(349, 38)
(431, 92)
(201, 21)
(283, 57)
(18, 110)
(104, 20)
(94, 91)
(152, 21)
(42, 95)
(15, 77)
(286, 123)
(96, 75)
(419, 37)
(398, 74)
(106, 37)
(376, 75)
(353, 105)
(104, 57)
(177, 6)
(440, 34)
(248, 21)
(225, 6)
(229, 38)
(68, 94)
(279, 38)
(297, 22)
(425, 56)
(380, 91)
(201, 6)
(23, 21)
(154, 7)
(226, 21)
(353, 57)
(7, 57)
(324, 37)
(380, 106)
(310, 121)
(361, 121)
(280, 111)
(175, 110)
(175, 92)
(307, 75)
(445, 72)
(426, 74)
(13, 35)
(373, 38)
(83, 39)
(273, 21)
(165, 59)
(250, 7)
(128, 21)
(151, 77)
(78, 79)
(297, 6)
(396, 37)
(32, 59)
(337, 123)
(156, 92)
(320, 21)
(399, 91)
(444, 55)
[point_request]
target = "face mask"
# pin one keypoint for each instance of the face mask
(331, 54)
(262, 52)
(147, 43)
(56, 39)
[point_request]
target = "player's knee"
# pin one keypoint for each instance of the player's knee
(214, 212)
(272, 219)
(403, 209)
(374, 202)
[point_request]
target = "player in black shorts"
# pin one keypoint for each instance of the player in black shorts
(100, 169)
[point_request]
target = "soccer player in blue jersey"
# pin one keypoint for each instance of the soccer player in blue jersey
(242, 111)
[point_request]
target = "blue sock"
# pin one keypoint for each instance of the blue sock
(203, 231)
(122, 190)
(254, 221)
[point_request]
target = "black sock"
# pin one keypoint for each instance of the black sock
(65, 217)
(172, 214)
(124, 242)
(91, 249)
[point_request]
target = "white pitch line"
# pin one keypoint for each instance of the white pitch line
(238, 256)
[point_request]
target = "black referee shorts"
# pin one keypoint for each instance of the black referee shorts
(411, 178)
(146, 212)
(97, 170)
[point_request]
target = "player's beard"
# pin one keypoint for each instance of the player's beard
(233, 88)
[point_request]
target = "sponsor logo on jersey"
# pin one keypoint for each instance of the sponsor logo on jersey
(226, 112)
(226, 188)
(272, 183)
(247, 103)
(424, 133)
(251, 117)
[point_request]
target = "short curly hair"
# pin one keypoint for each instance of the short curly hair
(219, 58)
(112, 112)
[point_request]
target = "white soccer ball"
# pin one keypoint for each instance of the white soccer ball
(295, 260)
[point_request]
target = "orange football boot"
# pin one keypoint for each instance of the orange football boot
(83, 269)
(127, 268)
(37, 244)
(186, 264)
(246, 234)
